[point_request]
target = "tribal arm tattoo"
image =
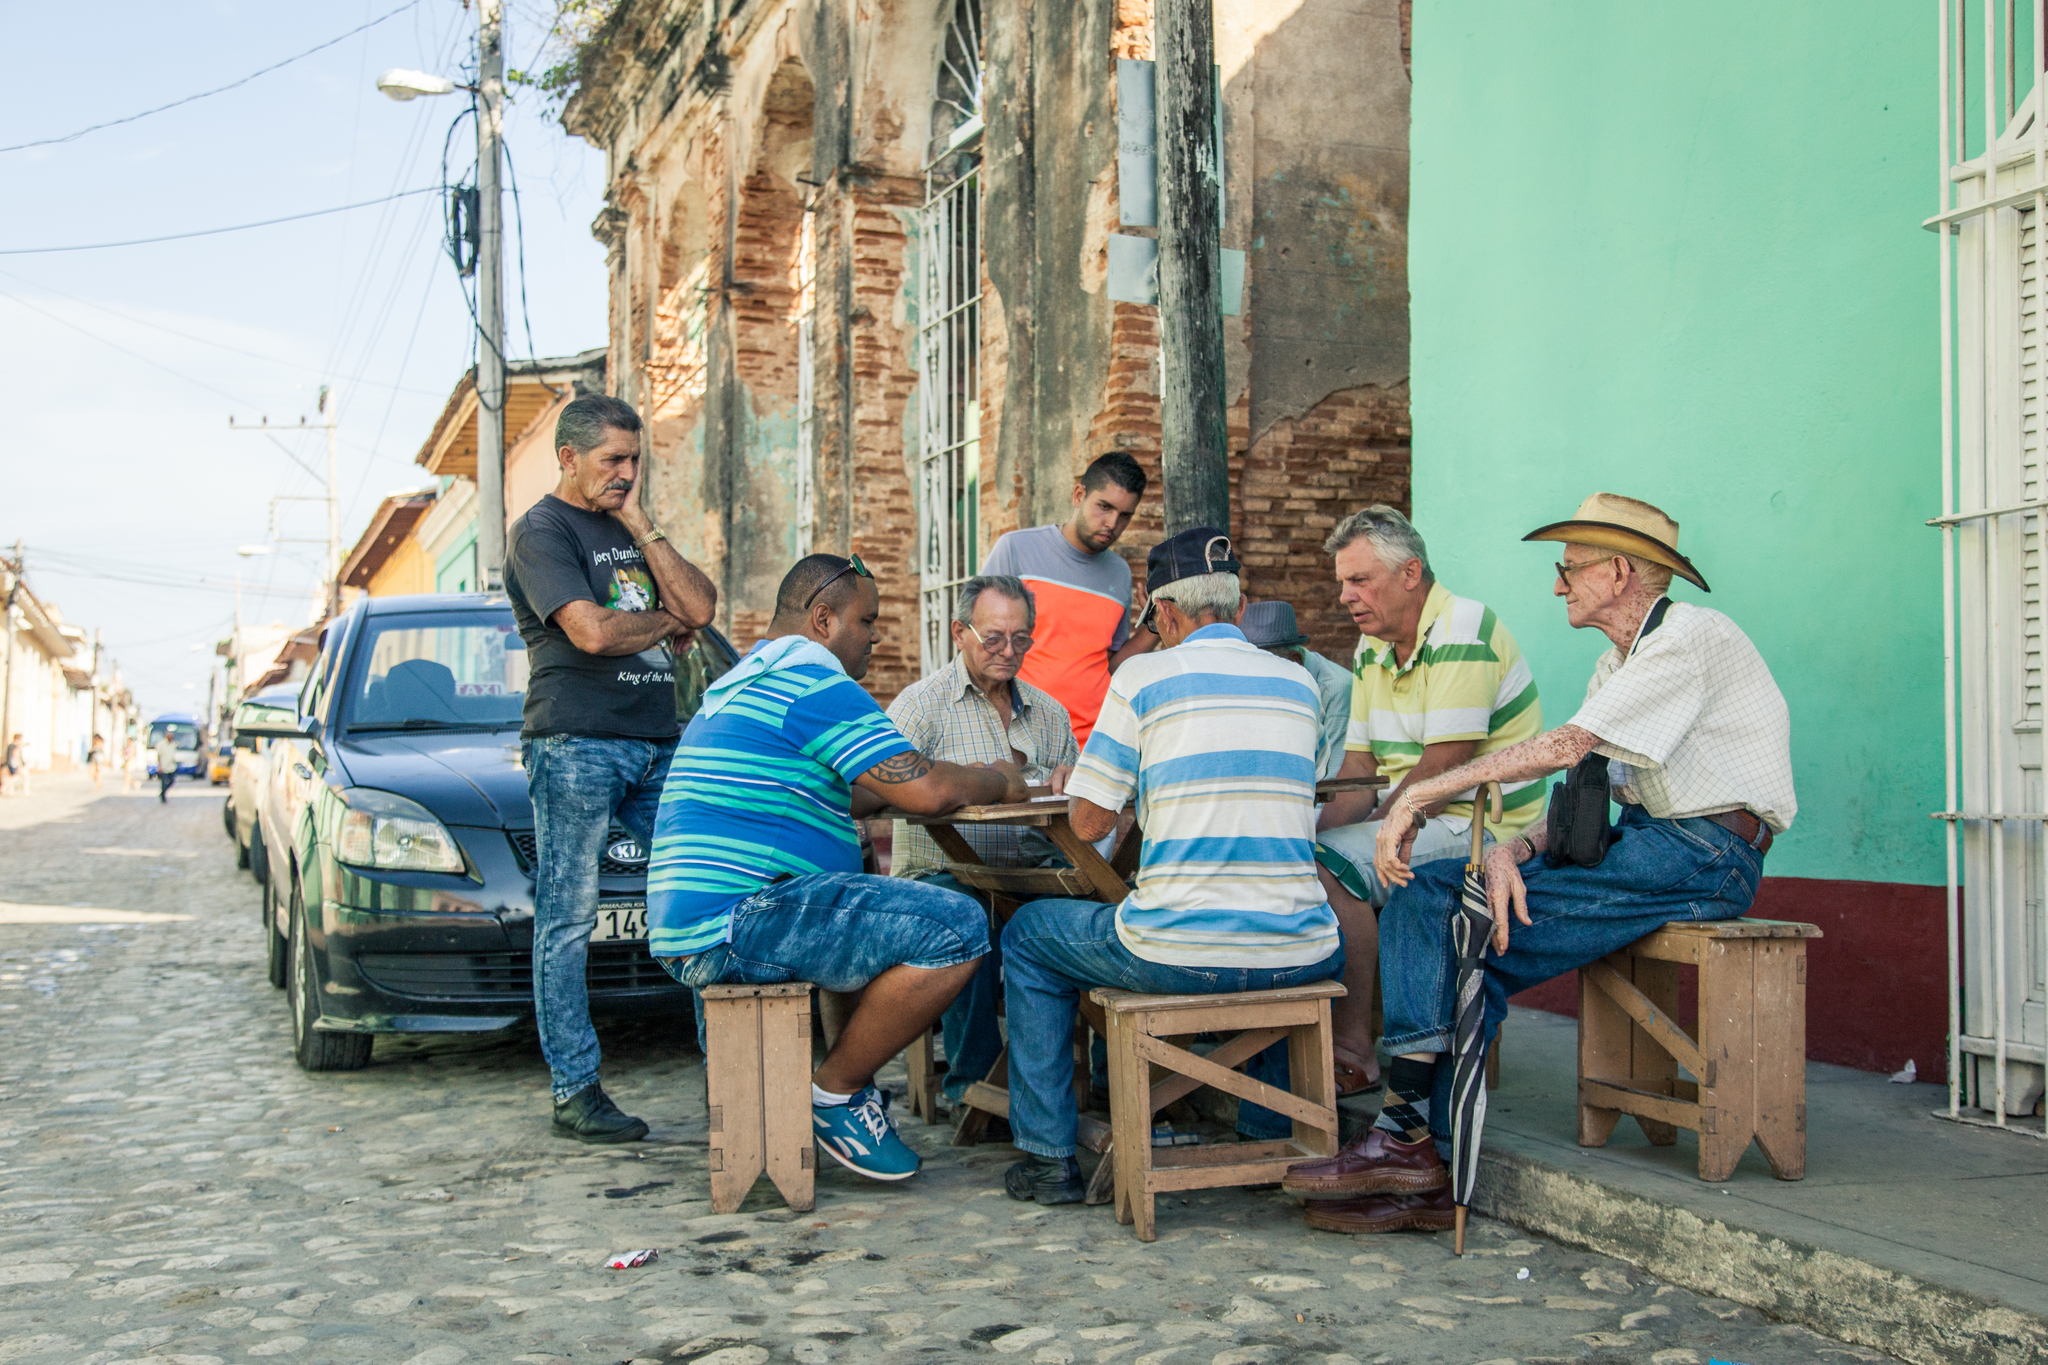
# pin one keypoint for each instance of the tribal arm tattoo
(907, 766)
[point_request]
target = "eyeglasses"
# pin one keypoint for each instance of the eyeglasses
(853, 566)
(999, 643)
(1565, 571)
(1148, 618)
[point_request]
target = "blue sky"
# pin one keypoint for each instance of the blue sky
(120, 368)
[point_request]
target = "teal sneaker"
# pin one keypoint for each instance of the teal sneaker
(861, 1136)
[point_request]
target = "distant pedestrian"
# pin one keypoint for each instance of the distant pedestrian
(601, 600)
(15, 769)
(131, 765)
(166, 763)
(96, 759)
(1083, 591)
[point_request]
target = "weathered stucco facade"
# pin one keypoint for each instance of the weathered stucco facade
(769, 175)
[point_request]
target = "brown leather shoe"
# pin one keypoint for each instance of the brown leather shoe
(1432, 1212)
(1378, 1163)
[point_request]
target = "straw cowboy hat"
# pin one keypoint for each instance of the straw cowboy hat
(1609, 521)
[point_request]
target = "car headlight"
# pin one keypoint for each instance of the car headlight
(380, 829)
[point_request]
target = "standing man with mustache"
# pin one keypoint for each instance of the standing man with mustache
(1082, 590)
(602, 601)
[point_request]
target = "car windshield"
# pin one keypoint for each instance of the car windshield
(182, 736)
(446, 670)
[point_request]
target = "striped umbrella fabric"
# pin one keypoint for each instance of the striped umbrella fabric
(1471, 929)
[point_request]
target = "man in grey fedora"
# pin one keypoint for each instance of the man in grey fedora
(1271, 626)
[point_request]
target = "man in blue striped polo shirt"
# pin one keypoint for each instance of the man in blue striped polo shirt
(755, 876)
(1217, 738)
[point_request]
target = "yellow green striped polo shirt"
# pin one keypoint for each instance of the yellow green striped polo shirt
(1467, 680)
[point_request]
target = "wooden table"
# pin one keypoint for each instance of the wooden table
(1091, 877)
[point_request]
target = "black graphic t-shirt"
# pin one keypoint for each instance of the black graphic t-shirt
(557, 554)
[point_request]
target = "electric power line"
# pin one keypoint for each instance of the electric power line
(217, 90)
(206, 341)
(214, 232)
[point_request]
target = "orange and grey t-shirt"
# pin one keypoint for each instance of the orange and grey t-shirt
(1084, 616)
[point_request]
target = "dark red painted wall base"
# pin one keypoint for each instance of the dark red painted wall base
(1875, 988)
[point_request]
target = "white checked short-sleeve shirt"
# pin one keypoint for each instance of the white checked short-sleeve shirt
(1693, 722)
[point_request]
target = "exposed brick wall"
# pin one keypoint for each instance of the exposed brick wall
(1300, 478)
(885, 391)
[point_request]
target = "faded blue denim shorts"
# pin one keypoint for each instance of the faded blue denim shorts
(838, 930)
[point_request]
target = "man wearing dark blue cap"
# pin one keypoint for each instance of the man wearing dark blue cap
(1217, 738)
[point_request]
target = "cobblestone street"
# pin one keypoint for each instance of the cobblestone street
(174, 1189)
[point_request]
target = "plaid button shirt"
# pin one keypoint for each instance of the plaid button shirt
(947, 717)
(1693, 722)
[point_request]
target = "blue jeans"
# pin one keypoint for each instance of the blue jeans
(1656, 872)
(838, 930)
(1052, 951)
(968, 1027)
(579, 786)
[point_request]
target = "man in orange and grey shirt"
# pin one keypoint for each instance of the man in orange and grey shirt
(1083, 591)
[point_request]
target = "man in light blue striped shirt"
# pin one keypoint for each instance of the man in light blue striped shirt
(1217, 739)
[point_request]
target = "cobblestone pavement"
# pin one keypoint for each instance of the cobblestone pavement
(174, 1189)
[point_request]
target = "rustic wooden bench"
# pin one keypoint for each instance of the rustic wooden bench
(1137, 1027)
(1746, 1053)
(757, 1067)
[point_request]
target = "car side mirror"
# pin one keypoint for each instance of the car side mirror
(282, 727)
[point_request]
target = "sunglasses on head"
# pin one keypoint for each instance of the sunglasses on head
(853, 566)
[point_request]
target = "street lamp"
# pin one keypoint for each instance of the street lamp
(489, 90)
(403, 85)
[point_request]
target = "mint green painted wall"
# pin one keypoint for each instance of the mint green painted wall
(1674, 251)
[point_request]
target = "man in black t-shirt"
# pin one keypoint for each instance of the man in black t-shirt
(604, 604)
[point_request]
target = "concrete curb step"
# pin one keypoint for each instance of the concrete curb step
(1841, 1296)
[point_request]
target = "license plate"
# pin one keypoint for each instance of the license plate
(620, 922)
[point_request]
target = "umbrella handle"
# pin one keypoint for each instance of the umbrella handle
(1481, 812)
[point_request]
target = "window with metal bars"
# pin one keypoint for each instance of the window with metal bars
(949, 340)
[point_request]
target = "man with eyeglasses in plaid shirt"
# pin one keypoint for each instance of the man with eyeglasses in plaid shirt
(977, 710)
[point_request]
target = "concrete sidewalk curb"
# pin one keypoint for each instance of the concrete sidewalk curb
(1841, 1296)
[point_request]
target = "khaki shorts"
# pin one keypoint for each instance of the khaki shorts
(1347, 852)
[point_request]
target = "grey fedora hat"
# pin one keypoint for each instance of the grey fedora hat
(1271, 625)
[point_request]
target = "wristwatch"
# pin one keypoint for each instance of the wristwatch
(644, 541)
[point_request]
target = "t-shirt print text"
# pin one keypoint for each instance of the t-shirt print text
(618, 554)
(655, 676)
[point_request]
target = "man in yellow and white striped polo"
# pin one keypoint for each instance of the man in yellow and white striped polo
(1439, 681)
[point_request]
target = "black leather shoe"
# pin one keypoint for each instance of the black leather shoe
(590, 1116)
(1046, 1179)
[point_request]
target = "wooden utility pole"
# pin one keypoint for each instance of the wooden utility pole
(490, 298)
(1194, 441)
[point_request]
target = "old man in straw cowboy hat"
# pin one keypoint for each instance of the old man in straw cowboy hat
(1696, 745)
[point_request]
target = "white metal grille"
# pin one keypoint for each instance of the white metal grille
(949, 341)
(949, 451)
(1994, 502)
(806, 369)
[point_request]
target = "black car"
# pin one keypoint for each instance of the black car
(407, 904)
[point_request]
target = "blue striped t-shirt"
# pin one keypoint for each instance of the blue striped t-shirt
(1218, 738)
(761, 790)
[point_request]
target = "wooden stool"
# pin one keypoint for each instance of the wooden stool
(1747, 1053)
(757, 1067)
(1136, 1025)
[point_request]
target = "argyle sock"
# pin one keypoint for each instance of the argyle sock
(1406, 1112)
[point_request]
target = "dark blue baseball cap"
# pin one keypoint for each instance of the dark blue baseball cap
(1195, 551)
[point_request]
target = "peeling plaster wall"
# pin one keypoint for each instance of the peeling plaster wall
(712, 156)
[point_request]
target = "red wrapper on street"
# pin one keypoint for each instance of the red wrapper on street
(626, 1260)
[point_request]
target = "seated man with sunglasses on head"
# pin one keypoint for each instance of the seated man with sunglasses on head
(756, 873)
(977, 710)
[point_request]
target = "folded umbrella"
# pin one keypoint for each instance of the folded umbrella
(1471, 929)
